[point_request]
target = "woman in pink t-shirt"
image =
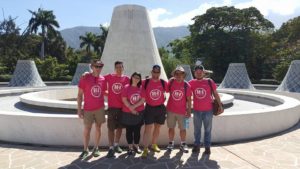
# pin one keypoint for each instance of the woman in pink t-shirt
(133, 99)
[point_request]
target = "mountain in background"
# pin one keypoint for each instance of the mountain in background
(162, 35)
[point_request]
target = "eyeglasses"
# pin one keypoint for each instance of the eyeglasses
(136, 77)
(98, 67)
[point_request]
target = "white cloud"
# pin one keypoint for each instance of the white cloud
(106, 24)
(280, 7)
(163, 18)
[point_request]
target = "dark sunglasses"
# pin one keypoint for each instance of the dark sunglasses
(98, 67)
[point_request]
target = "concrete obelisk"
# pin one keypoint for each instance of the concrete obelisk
(26, 74)
(237, 77)
(130, 39)
(291, 81)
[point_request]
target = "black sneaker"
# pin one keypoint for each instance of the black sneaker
(130, 152)
(137, 149)
(111, 153)
(207, 150)
(84, 154)
(184, 148)
(196, 149)
(170, 146)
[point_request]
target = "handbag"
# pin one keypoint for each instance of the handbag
(214, 102)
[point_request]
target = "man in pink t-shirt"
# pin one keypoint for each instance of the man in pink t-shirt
(202, 107)
(155, 111)
(91, 90)
(115, 83)
(178, 107)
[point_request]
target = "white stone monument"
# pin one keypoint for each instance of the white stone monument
(130, 39)
(237, 77)
(80, 69)
(26, 74)
(291, 81)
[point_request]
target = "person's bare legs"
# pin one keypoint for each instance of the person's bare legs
(97, 135)
(118, 135)
(183, 135)
(147, 135)
(171, 134)
(111, 135)
(86, 136)
(156, 132)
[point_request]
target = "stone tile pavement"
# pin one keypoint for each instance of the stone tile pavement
(281, 151)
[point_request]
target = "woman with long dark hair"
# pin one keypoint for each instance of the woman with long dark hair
(133, 99)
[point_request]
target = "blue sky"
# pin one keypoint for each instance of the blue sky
(164, 13)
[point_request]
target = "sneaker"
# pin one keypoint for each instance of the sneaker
(155, 148)
(137, 149)
(111, 153)
(170, 147)
(118, 149)
(84, 154)
(96, 152)
(145, 153)
(184, 148)
(207, 150)
(196, 149)
(130, 152)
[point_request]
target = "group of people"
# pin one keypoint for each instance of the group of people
(133, 102)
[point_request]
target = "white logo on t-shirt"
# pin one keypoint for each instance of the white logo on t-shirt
(200, 93)
(177, 95)
(117, 88)
(155, 94)
(135, 98)
(96, 91)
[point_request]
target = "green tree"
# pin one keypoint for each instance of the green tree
(100, 40)
(225, 34)
(286, 44)
(87, 41)
(47, 21)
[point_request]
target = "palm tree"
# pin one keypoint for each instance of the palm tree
(88, 41)
(44, 19)
(100, 40)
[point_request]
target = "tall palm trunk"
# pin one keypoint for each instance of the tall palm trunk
(43, 43)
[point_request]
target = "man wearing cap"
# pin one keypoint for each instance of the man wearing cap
(91, 90)
(115, 84)
(202, 107)
(155, 110)
(178, 107)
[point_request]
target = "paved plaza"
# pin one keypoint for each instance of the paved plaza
(281, 151)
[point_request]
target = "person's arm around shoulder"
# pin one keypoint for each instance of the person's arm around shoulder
(189, 100)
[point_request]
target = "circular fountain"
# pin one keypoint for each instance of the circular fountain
(48, 116)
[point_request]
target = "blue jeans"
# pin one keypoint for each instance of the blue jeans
(206, 118)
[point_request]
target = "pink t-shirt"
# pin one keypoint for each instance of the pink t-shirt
(202, 94)
(133, 95)
(115, 86)
(155, 92)
(93, 92)
(177, 102)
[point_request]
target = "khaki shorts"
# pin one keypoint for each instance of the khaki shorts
(172, 118)
(98, 116)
